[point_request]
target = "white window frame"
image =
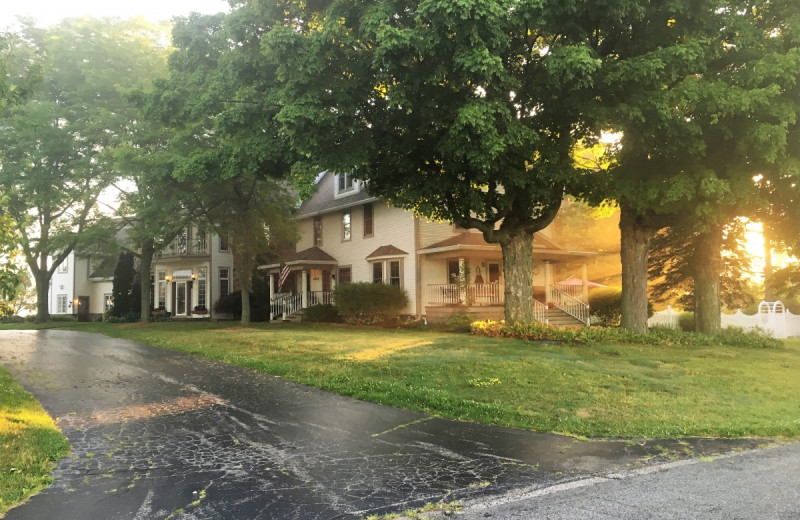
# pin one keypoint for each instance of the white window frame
(106, 299)
(63, 267)
(347, 225)
(226, 279)
(351, 185)
(371, 219)
(61, 304)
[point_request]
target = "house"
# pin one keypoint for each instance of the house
(349, 236)
(188, 276)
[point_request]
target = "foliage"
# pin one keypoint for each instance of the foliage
(686, 321)
(459, 322)
(364, 302)
(606, 306)
(227, 148)
(484, 139)
(322, 313)
(57, 144)
(122, 293)
(658, 336)
(672, 257)
(31, 442)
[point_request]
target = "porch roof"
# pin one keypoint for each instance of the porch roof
(311, 256)
(389, 251)
(543, 247)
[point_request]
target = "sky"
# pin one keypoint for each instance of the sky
(48, 12)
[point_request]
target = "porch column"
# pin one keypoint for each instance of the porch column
(304, 289)
(462, 266)
(272, 281)
(547, 282)
(584, 283)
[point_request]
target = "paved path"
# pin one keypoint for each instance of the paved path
(158, 434)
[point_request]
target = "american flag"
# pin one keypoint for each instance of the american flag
(285, 270)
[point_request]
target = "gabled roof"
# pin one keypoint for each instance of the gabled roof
(465, 240)
(312, 255)
(324, 199)
(386, 252)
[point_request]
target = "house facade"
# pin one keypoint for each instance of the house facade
(349, 236)
(188, 276)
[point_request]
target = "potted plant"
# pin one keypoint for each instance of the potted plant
(200, 310)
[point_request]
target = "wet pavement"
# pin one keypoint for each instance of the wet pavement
(161, 434)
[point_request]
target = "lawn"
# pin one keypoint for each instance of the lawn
(602, 390)
(30, 444)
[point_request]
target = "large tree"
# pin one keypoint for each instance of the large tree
(56, 145)
(226, 147)
(704, 94)
(467, 112)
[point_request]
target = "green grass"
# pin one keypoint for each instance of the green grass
(30, 444)
(602, 390)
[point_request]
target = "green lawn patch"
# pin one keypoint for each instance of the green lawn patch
(30, 444)
(602, 389)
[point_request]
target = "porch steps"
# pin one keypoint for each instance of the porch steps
(297, 317)
(559, 318)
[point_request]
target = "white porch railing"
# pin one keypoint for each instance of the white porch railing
(571, 305)
(539, 311)
(286, 304)
(576, 291)
(470, 294)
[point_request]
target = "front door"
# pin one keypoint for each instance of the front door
(180, 299)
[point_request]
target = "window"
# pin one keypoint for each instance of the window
(152, 292)
(394, 273)
(61, 304)
(201, 287)
(223, 244)
(317, 231)
(377, 272)
(108, 302)
(162, 289)
(344, 275)
(345, 183)
(224, 281)
(368, 220)
(64, 267)
(346, 234)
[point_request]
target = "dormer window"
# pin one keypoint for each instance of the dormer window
(345, 184)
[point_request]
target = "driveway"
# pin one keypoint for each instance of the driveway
(161, 434)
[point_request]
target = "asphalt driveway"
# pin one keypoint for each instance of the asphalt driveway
(161, 434)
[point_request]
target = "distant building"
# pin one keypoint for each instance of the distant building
(187, 278)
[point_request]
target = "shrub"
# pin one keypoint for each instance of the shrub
(364, 302)
(459, 322)
(232, 304)
(606, 306)
(324, 313)
(593, 335)
(63, 318)
(686, 321)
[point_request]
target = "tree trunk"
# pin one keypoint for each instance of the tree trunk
(769, 293)
(144, 280)
(518, 269)
(42, 279)
(634, 250)
(706, 269)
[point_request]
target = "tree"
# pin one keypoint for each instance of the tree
(466, 112)
(56, 158)
(122, 289)
(226, 146)
(673, 265)
(704, 94)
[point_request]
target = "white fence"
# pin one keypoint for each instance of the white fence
(772, 317)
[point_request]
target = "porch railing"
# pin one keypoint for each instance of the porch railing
(469, 294)
(576, 291)
(178, 247)
(539, 311)
(286, 304)
(571, 305)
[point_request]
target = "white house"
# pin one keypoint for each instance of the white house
(349, 236)
(187, 278)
